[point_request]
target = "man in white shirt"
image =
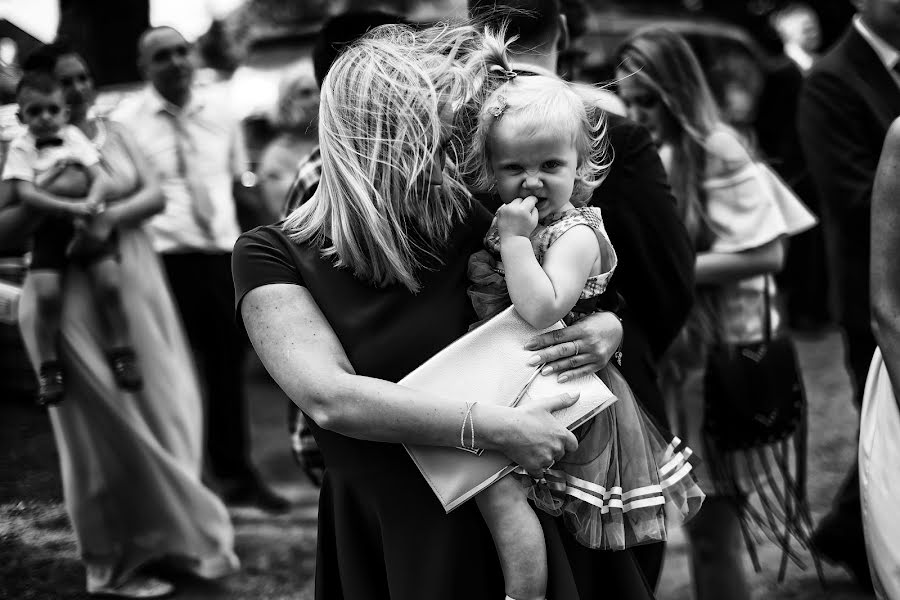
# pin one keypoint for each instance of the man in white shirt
(849, 99)
(197, 148)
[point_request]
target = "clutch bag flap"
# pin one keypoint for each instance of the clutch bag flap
(488, 364)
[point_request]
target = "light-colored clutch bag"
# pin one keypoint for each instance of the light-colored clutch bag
(488, 365)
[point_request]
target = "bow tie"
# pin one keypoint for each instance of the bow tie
(48, 142)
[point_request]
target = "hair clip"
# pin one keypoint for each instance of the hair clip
(496, 111)
(506, 73)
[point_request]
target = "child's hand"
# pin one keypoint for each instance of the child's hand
(519, 217)
(80, 208)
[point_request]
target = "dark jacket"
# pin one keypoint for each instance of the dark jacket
(847, 103)
(655, 276)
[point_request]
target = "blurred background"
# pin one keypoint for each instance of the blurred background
(245, 45)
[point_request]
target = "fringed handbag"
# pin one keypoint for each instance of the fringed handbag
(755, 417)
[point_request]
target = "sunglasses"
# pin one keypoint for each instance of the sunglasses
(34, 111)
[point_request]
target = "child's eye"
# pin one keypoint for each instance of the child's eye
(512, 168)
(552, 164)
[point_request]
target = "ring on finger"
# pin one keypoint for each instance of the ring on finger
(576, 347)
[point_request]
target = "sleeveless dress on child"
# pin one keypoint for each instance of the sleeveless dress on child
(616, 489)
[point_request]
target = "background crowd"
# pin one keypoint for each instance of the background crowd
(148, 471)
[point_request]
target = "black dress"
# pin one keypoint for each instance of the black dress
(382, 532)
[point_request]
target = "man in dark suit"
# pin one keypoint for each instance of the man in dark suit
(848, 101)
(655, 275)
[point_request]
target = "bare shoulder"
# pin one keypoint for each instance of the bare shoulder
(726, 152)
(892, 141)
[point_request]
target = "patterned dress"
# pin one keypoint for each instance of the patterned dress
(614, 489)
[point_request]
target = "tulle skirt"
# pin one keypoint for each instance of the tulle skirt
(625, 482)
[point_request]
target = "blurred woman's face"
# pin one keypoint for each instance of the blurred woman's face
(77, 85)
(645, 107)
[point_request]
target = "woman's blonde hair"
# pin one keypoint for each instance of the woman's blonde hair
(536, 100)
(663, 61)
(380, 128)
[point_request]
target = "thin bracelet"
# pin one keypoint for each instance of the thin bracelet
(617, 355)
(468, 417)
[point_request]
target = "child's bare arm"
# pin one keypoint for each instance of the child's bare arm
(544, 294)
(45, 202)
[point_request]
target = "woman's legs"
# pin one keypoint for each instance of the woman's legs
(717, 552)
(519, 539)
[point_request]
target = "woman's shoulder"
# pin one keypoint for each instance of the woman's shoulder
(893, 134)
(271, 236)
(726, 152)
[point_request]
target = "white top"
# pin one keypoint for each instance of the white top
(25, 161)
(219, 156)
(888, 55)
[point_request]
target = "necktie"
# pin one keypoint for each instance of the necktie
(185, 156)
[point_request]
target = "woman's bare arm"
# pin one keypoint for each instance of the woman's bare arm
(147, 199)
(885, 268)
(724, 267)
(304, 356)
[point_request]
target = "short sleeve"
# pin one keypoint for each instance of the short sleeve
(81, 147)
(261, 257)
(18, 163)
(748, 206)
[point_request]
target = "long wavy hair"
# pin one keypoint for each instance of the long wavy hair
(537, 100)
(662, 60)
(380, 128)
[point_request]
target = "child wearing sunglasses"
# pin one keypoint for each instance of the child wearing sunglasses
(57, 171)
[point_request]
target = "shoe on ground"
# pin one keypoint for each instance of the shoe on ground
(51, 383)
(123, 362)
(834, 545)
(136, 587)
(256, 493)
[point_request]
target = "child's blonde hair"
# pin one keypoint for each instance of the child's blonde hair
(536, 100)
(379, 129)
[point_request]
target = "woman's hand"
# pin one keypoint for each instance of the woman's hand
(535, 439)
(582, 348)
(518, 218)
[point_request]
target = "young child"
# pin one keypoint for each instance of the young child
(540, 144)
(56, 170)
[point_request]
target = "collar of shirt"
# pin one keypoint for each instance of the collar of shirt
(156, 104)
(888, 55)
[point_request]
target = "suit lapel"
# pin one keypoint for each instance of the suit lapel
(878, 86)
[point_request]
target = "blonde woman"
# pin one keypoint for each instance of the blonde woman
(360, 285)
(737, 227)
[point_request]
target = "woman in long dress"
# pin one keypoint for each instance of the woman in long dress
(737, 226)
(879, 435)
(130, 462)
